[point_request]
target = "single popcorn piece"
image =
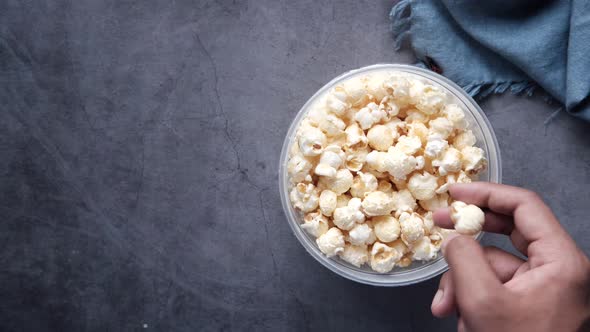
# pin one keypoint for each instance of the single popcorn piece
(456, 115)
(420, 162)
(399, 87)
(449, 163)
(412, 227)
(383, 257)
(315, 224)
(423, 186)
(430, 100)
(385, 186)
(464, 140)
(419, 130)
(403, 201)
(355, 255)
(361, 234)
(389, 106)
(436, 202)
(355, 137)
(312, 141)
(356, 158)
(435, 145)
(299, 168)
(415, 116)
(330, 161)
(305, 197)
(374, 86)
(346, 217)
(377, 203)
(396, 125)
(328, 201)
(336, 103)
(398, 164)
(369, 115)
(467, 218)
(380, 137)
(473, 159)
(340, 183)
(363, 183)
(331, 243)
(331, 125)
(423, 250)
(342, 200)
(441, 126)
(408, 144)
(387, 228)
(356, 91)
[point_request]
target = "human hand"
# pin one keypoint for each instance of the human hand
(493, 290)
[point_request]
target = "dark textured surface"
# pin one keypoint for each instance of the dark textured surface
(139, 147)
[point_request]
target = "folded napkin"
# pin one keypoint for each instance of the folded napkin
(503, 45)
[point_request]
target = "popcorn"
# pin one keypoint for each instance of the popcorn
(331, 243)
(369, 115)
(396, 125)
(331, 125)
(340, 183)
(346, 217)
(304, 197)
(315, 224)
(423, 250)
(328, 202)
(361, 138)
(387, 228)
(385, 186)
(377, 203)
(363, 183)
(342, 200)
(383, 257)
(430, 99)
(403, 201)
(435, 145)
(336, 103)
(423, 186)
(380, 137)
(361, 234)
(408, 144)
(355, 136)
(412, 227)
(418, 129)
(330, 161)
(312, 141)
(456, 115)
(299, 168)
(436, 202)
(355, 255)
(449, 163)
(473, 159)
(415, 116)
(468, 219)
(441, 126)
(398, 164)
(464, 140)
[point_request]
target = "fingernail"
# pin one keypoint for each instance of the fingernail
(448, 239)
(437, 297)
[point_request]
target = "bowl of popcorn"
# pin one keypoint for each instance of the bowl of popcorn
(368, 159)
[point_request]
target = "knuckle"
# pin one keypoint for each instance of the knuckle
(530, 195)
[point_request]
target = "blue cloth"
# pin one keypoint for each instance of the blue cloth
(503, 45)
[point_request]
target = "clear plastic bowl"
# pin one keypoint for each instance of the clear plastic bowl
(417, 271)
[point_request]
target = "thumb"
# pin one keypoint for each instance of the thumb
(474, 279)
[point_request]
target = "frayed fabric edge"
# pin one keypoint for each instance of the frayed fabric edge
(401, 20)
(483, 90)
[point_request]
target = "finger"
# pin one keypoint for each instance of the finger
(443, 303)
(503, 263)
(461, 325)
(473, 277)
(494, 222)
(531, 216)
